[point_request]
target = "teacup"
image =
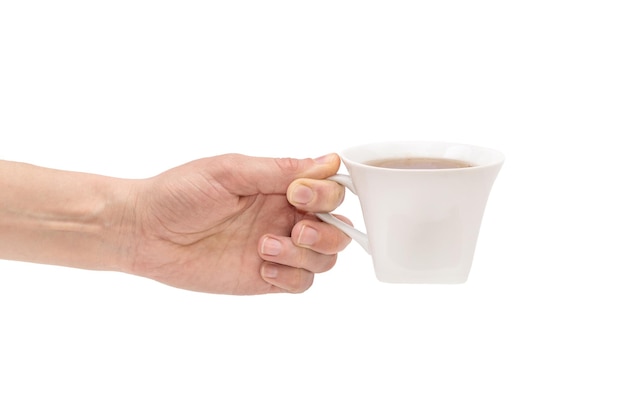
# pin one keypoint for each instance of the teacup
(422, 206)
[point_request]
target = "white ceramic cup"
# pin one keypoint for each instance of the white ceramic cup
(422, 224)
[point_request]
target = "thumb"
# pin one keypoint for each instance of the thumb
(273, 175)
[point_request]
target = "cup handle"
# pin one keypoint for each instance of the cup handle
(327, 217)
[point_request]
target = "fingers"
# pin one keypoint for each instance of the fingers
(290, 267)
(320, 237)
(315, 195)
(291, 262)
(287, 279)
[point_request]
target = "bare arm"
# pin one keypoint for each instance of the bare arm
(64, 218)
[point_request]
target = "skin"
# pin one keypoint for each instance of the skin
(229, 224)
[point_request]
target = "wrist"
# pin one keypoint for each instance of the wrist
(114, 225)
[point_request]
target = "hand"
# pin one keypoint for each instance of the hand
(235, 224)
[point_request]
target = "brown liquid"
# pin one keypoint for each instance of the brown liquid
(419, 163)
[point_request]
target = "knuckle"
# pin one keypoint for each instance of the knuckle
(304, 282)
(329, 196)
(339, 193)
(330, 263)
(287, 165)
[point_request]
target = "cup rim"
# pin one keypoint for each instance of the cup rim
(495, 157)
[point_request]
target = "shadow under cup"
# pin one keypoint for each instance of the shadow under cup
(422, 225)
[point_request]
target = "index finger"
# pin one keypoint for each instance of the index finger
(315, 195)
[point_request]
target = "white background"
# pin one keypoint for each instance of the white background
(130, 88)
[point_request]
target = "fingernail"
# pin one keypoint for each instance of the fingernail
(270, 247)
(302, 194)
(308, 236)
(269, 270)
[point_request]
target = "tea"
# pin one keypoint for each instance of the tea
(419, 163)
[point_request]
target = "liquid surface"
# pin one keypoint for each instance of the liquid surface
(419, 163)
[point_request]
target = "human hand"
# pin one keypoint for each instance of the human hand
(236, 224)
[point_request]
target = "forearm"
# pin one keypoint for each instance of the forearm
(64, 218)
